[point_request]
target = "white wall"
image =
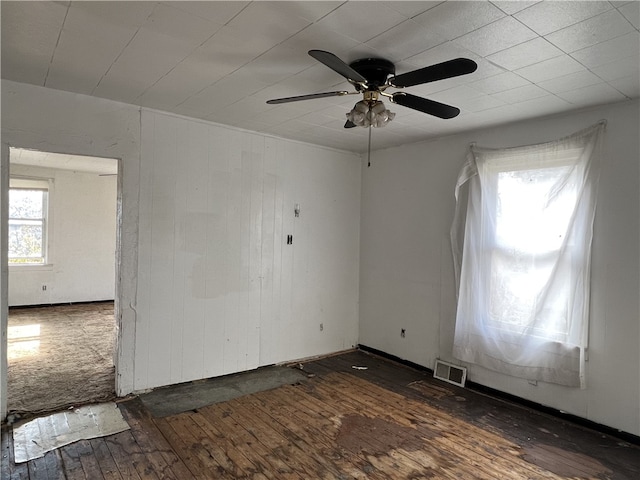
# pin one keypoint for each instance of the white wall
(407, 274)
(219, 289)
(81, 239)
(270, 299)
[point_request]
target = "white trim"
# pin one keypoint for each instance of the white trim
(4, 274)
(42, 267)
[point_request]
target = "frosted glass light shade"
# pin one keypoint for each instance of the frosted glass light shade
(365, 114)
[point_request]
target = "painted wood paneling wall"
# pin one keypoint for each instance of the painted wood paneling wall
(219, 290)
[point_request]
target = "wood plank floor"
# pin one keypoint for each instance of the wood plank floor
(386, 422)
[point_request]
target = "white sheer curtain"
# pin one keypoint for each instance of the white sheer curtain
(522, 257)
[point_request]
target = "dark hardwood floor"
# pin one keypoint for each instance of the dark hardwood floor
(387, 421)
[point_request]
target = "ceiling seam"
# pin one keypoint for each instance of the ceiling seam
(192, 51)
(53, 53)
(122, 51)
(234, 17)
(263, 53)
(177, 64)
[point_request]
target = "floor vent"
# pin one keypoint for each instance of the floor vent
(450, 373)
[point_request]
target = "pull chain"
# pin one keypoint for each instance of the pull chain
(369, 149)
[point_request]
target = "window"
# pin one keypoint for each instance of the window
(527, 240)
(28, 208)
(523, 266)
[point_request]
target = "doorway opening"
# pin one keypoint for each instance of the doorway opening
(63, 239)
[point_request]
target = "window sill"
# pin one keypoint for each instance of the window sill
(45, 267)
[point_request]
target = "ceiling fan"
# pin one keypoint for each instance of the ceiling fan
(371, 77)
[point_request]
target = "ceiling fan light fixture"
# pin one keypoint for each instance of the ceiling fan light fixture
(372, 76)
(370, 113)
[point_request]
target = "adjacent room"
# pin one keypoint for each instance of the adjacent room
(62, 255)
(309, 239)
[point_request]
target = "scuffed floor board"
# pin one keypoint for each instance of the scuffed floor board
(189, 396)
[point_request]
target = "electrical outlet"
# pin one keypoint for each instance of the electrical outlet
(44, 288)
(403, 332)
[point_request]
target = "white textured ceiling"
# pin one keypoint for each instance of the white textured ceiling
(220, 61)
(77, 163)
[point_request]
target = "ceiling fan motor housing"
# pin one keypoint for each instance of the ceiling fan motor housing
(375, 70)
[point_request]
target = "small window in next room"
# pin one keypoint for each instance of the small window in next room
(28, 213)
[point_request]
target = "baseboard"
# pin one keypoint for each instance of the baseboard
(492, 392)
(61, 304)
(290, 363)
(402, 361)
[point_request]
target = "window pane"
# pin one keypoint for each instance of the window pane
(514, 294)
(532, 217)
(25, 241)
(26, 203)
(27, 211)
(534, 209)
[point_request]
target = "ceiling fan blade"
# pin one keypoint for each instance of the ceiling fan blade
(425, 105)
(349, 124)
(308, 97)
(439, 71)
(337, 65)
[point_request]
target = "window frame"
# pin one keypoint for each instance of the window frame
(45, 185)
(496, 249)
